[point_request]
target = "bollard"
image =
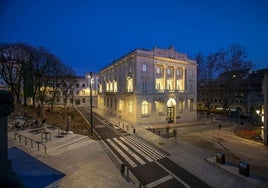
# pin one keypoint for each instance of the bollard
(134, 131)
(220, 158)
(122, 169)
(244, 168)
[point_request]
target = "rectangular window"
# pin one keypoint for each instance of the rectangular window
(130, 107)
(180, 106)
(158, 70)
(144, 68)
(144, 85)
(144, 108)
(160, 107)
(168, 71)
(83, 100)
(121, 105)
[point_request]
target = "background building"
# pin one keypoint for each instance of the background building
(150, 86)
(238, 92)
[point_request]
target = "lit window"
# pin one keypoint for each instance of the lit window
(115, 86)
(179, 85)
(144, 68)
(130, 107)
(121, 105)
(129, 84)
(157, 86)
(160, 107)
(144, 107)
(170, 85)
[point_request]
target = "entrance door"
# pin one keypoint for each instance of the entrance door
(170, 114)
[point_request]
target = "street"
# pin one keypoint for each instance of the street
(150, 166)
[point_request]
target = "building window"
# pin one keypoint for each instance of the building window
(83, 100)
(180, 106)
(77, 85)
(83, 92)
(158, 71)
(144, 85)
(160, 107)
(144, 107)
(129, 84)
(130, 107)
(159, 84)
(144, 68)
(168, 71)
(170, 85)
(100, 88)
(121, 105)
(179, 84)
(83, 85)
(115, 86)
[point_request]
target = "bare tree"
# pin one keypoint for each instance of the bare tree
(13, 60)
(217, 84)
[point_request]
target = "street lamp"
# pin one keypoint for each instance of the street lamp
(90, 90)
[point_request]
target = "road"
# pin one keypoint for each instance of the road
(150, 166)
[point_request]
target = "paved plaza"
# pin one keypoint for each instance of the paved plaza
(89, 163)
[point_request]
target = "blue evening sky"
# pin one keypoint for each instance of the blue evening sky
(89, 34)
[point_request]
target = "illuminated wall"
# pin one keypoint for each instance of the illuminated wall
(145, 80)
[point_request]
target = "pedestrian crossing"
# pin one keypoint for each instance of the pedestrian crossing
(134, 151)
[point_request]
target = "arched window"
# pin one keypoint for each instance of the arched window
(144, 107)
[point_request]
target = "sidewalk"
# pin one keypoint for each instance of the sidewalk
(82, 161)
(201, 162)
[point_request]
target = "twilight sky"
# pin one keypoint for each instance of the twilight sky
(89, 34)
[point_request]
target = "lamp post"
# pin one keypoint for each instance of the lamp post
(90, 90)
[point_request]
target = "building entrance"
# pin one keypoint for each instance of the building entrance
(170, 114)
(171, 104)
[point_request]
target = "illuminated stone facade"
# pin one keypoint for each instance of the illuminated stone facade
(149, 87)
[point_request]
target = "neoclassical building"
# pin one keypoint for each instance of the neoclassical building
(149, 87)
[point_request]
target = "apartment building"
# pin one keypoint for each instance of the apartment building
(149, 87)
(79, 93)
